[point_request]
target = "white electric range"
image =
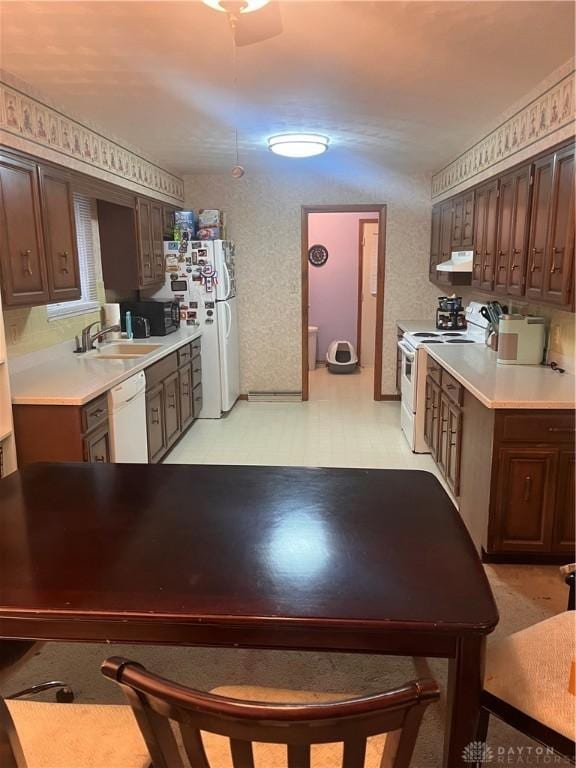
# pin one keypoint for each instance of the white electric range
(413, 370)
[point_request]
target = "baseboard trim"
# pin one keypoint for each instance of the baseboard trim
(390, 398)
(242, 397)
(526, 558)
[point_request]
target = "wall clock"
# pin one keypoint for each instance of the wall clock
(317, 255)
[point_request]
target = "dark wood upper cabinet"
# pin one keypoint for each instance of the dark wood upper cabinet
(168, 221)
(512, 242)
(60, 235)
(541, 199)
(491, 191)
(435, 240)
(157, 237)
(445, 230)
(559, 255)
(522, 230)
(463, 221)
(145, 250)
(485, 231)
(22, 258)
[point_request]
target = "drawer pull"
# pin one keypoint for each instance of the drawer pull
(450, 386)
(527, 487)
(562, 429)
(96, 413)
(26, 262)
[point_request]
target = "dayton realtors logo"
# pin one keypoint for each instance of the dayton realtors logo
(479, 754)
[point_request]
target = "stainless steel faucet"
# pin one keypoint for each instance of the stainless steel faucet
(88, 338)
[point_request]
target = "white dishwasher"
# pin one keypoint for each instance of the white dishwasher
(127, 409)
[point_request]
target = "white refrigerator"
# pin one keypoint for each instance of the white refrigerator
(201, 276)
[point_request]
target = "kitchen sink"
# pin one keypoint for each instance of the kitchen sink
(122, 351)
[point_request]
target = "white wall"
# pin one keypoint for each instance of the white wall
(264, 219)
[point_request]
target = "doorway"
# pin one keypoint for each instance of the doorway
(343, 284)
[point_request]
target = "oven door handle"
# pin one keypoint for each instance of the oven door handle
(406, 350)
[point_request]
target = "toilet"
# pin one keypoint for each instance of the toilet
(312, 346)
(341, 357)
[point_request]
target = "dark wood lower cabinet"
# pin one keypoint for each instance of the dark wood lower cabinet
(512, 471)
(172, 408)
(524, 507)
(155, 423)
(172, 387)
(517, 482)
(186, 395)
(443, 423)
(62, 432)
(97, 446)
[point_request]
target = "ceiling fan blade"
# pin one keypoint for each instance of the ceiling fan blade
(258, 26)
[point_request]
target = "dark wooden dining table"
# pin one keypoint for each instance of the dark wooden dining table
(350, 560)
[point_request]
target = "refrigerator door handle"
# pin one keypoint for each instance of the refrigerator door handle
(226, 280)
(228, 320)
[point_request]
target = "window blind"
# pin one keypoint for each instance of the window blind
(88, 257)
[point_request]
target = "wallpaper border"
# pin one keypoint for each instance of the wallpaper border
(30, 119)
(541, 118)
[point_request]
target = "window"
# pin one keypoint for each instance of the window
(88, 257)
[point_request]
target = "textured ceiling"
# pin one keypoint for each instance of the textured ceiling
(399, 85)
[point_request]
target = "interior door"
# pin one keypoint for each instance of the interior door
(367, 330)
(229, 346)
(24, 277)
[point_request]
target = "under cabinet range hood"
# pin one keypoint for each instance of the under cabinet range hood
(461, 261)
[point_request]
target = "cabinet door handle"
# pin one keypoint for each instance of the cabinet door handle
(535, 267)
(100, 459)
(527, 487)
(64, 257)
(172, 399)
(156, 420)
(554, 268)
(562, 429)
(516, 251)
(26, 262)
(515, 266)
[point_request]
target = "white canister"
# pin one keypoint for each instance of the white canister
(112, 317)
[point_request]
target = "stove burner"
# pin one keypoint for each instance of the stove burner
(452, 333)
(459, 341)
(424, 335)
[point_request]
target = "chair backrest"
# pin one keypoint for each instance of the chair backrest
(155, 701)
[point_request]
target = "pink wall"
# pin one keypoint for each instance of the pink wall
(333, 288)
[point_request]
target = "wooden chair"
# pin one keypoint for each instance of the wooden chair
(218, 731)
(526, 683)
(13, 655)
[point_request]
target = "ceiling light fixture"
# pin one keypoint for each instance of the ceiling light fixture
(298, 144)
(232, 7)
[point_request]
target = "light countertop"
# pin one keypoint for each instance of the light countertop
(409, 326)
(505, 386)
(75, 379)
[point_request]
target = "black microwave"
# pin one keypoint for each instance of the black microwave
(163, 316)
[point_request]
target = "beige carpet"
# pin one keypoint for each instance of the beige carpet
(525, 595)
